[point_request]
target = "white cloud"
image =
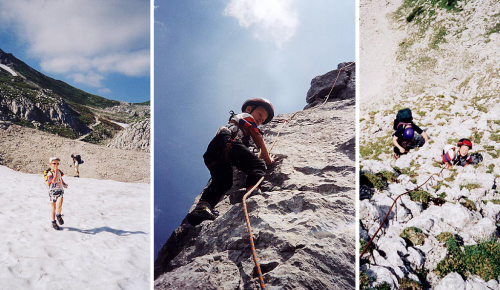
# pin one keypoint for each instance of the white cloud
(83, 39)
(273, 20)
(104, 91)
(92, 79)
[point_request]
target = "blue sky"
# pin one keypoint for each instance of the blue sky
(101, 47)
(210, 56)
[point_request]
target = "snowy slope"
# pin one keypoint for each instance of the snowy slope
(8, 69)
(104, 243)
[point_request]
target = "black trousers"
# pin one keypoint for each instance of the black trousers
(417, 141)
(476, 158)
(221, 155)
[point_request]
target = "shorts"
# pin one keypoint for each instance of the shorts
(54, 194)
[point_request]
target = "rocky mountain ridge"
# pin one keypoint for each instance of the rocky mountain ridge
(31, 99)
(303, 222)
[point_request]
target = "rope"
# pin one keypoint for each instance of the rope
(387, 215)
(249, 227)
(335, 82)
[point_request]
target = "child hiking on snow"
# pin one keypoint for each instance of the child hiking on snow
(404, 138)
(229, 148)
(459, 154)
(53, 179)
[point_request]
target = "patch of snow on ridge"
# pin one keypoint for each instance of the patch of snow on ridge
(12, 72)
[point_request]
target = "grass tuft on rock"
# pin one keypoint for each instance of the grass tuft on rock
(470, 186)
(414, 235)
(421, 196)
(469, 204)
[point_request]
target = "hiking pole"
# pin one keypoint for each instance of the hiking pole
(389, 212)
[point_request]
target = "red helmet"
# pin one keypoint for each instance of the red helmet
(464, 142)
(256, 102)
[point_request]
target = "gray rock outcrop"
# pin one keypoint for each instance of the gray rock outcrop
(41, 108)
(343, 80)
(131, 110)
(303, 222)
(135, 137)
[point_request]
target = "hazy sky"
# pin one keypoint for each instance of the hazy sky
(101, 47)
(210, 56)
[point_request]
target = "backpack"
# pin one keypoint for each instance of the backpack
(79, 159)
(403, 116)
(46, 175)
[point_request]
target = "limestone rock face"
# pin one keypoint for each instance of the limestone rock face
(42, 108)
(343, 80)
(303, 222)
(136, 137)
(132, 110)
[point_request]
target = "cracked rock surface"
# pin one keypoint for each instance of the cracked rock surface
(303, 223)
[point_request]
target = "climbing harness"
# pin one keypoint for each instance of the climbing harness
(389, 211)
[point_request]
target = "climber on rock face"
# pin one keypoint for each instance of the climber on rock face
(230, 147)
(404, 138)
(459, 154)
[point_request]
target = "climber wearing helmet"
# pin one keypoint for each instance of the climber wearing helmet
(230, 147)
(459, 154)
(405, 138)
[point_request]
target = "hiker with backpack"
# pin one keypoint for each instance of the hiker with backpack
(404, 137)
(53, 179)
(459, 154)
(230, 147)
(77, 160)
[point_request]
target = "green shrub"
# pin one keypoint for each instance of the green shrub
(383, 286)
(409, 284)
(59, 130)
(482, 259)
(379, 180)
(364, 281)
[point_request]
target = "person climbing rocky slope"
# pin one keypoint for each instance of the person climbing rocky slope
(303, 222)
(440, 229)
(439, 59)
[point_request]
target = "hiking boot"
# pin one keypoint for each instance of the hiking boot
(60, 220)
(202, 212)
(204, 208)
(55, 226)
